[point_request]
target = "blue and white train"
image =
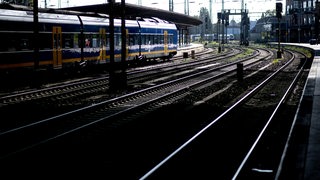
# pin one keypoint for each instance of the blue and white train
(70, 40)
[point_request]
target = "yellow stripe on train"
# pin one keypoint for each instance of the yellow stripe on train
(72, 60)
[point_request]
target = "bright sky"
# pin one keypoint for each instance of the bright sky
(255, 7)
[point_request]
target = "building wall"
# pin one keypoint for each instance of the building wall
(301, 20)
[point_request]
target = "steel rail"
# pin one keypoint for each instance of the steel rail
(117, 99)
(181, 90)
(241, 101)
(68, 88)
(294, 81)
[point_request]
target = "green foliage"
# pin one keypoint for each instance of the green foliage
(305, 51)
(270, 13)
(247, 52)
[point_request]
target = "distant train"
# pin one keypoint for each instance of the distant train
(73, 40)
(211, 37)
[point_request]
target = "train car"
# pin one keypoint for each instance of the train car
(76, 40)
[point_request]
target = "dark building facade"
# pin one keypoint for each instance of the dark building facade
(302, 20)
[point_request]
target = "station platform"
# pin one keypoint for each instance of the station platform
(301, 159)
(189, 47)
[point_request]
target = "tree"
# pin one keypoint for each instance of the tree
(206, 27)
(270, 13)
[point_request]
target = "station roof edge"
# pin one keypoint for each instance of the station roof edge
(132, 10)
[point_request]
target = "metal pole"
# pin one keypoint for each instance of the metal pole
(171, 5)
(112, 75)
(111, 31)
(36, 50)
(278, 11)
(279, 32)
(218, 32)
(186, 7)
(123, 79)
(36, 34)
(123, 32)
(222, 22)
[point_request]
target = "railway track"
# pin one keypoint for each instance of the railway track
(120, 143)
(245, 141)
(85, 92)
(24, 137)
(89, 84)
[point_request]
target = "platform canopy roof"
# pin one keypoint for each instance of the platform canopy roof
(133, 11)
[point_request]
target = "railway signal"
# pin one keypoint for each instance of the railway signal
(278, 14)
(278, 10)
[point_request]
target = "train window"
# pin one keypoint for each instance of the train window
(131, 40)
(80, 41)
(107, 40)
(3, 39)
(24, 41)
(134, 39)
(155, 39)
(143, 39)
(87, 42)
(161, 39)
(67, 41)
(117, 40)
(76, 40)
(24, 44)
(45, 41)
(147, 39)
(3, 46)
(102, 41)
(95, 42)
(91, 40)
(12, 44)
(138, 39)
(170, 39)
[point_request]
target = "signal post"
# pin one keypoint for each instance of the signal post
(279, 11)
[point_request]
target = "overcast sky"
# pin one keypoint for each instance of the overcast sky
(255, 7)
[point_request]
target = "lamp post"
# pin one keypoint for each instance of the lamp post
(171, 5)
(186, 7)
